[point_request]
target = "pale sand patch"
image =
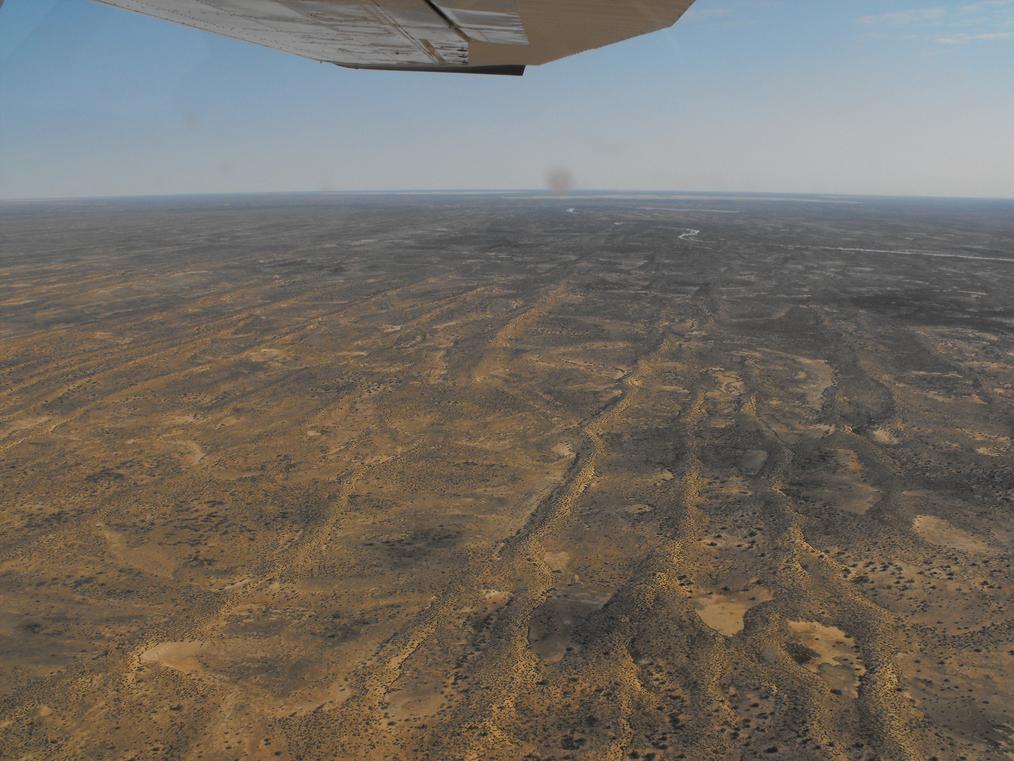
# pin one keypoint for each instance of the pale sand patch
(853, 495)
(724, 612)
(830, 653)
(818, 378)
(563, 449)
(231, 585)
(885, 436)
(179, 656)
(941, 533)
(731, 386)
(495, 598)
(193, 453)
(991, 444)
(671, 389)
(990, 451)
(267, 355)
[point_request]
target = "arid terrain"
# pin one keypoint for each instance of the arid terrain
(506, 477)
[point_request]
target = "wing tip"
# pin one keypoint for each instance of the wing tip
(507, 70)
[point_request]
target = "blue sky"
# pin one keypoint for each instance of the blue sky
(864, 97)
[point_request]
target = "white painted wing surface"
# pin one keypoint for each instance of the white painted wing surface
(485, 36)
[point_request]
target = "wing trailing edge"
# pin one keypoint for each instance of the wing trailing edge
(468, 36)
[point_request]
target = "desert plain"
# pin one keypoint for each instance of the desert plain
(507, 476)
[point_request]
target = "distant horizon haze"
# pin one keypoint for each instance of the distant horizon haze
(521, 193)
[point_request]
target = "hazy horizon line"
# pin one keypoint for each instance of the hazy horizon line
(703, 194)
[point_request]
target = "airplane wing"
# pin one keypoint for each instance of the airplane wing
(477, 36)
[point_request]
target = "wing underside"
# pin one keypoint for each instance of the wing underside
(482, 36)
